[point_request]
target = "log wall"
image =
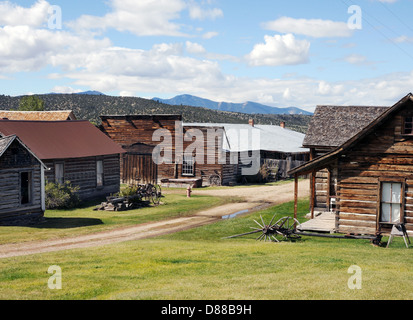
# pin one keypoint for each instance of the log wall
(14, 161)
(385, 154)
(82, 172)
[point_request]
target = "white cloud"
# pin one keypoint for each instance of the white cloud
(279, 50)
(403, 39)
(316, 28)
(65, 89)
(194, 48)
(14, 15)
(210, 35)
(142, 18)
(198, 13)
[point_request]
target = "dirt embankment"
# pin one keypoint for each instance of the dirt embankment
(252, 198)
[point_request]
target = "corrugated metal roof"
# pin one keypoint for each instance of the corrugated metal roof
(37, 115)
(244, 137)
(61, 139)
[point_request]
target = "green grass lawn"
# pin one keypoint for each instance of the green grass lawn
(200, 264)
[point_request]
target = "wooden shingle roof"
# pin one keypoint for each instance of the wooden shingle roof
(37, 115)
(331, 126)
(321, 161)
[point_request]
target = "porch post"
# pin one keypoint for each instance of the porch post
(295, 195)
(312, 200)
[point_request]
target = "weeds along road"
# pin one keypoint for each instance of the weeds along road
(252, 198)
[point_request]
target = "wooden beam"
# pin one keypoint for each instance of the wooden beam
(312, 200)
(295, 195)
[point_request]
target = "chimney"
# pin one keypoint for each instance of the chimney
(282, 125)
(251, 122)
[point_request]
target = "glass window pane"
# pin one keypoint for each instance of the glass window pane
(395, 213)
(59, 178)
(99, 173)
(396, 189)
(386, 192)
(385, 212)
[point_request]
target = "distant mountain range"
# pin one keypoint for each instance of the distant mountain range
(247, 107)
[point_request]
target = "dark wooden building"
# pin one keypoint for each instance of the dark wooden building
(74, 151)
(135, 134)
(374, 173)
(21, 183)
(196, 152)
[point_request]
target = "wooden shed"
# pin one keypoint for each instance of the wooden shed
(374, 173)
(74, 151)
(21, 183)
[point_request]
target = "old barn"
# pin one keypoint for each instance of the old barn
(373, 173)
(21, 183)
(74, 151)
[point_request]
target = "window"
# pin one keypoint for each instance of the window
(59, 173)
(25, 187)
(188, 166)
(99, 173)
(408, 125)
(391, 202)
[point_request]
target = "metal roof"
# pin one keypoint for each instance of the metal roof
(37, 115)
(244, 137)
(61, 139)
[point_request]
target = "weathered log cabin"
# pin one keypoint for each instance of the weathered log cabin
(74, 151)
(373, 172)
(21, 183)
(330, 127)
(217, 151)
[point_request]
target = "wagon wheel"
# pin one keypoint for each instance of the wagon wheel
(214, 180)
(155, 195)
(283, 229)
(286, 228)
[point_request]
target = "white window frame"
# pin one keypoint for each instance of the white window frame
(188, 166)
(391, 202)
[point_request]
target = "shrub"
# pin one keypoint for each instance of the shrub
(61, 196)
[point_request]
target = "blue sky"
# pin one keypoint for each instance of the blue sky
(279, 53)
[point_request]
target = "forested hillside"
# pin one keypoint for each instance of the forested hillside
(90, 107)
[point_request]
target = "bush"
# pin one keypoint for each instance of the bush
(61, 196)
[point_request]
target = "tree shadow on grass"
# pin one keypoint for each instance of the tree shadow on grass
(66, 223)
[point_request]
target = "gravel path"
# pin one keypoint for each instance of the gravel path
(254, 198)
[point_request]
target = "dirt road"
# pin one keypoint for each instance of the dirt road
(254, 198)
